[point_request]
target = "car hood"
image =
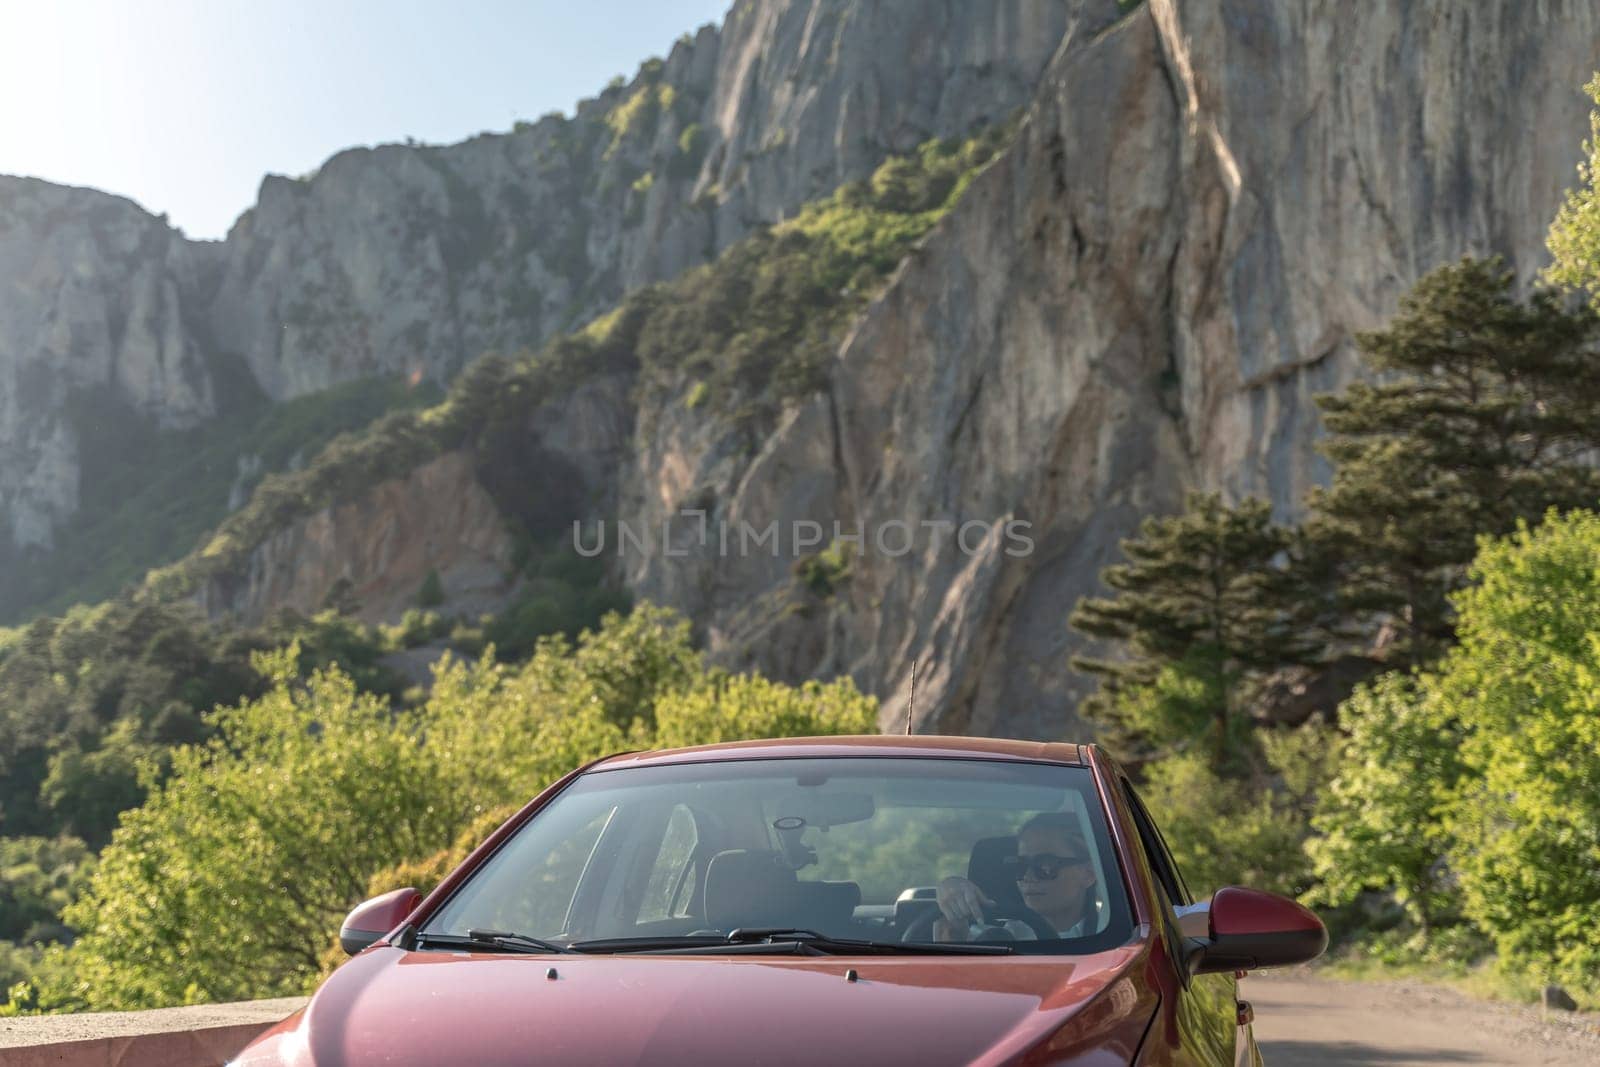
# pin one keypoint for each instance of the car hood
(398, 1008)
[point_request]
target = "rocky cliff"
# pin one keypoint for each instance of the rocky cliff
(415, 259)
(91, 301)
(1203, 205)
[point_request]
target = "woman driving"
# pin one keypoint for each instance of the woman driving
(1053, 872)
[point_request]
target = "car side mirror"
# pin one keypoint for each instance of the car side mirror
(370, 921)
(1247, 929)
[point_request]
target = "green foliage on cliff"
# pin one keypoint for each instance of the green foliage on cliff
(757, 328)
(638, 114)
(393, 445)
(231, 880)
(1574, 238)
(692, 144)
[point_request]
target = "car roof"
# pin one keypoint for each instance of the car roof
(857, 745)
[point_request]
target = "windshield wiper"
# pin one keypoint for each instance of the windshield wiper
(759, 939)
(489, 940)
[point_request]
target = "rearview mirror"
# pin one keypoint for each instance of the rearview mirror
(1247, 929)
(825, 809)
(371, 920)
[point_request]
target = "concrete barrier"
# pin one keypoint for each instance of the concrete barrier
(205, 1035)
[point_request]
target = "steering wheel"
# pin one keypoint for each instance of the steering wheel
(921, 928)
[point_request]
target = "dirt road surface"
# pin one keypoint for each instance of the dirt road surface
(1306, 1021)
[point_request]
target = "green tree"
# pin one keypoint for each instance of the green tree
(1206, 604)
(1474, 788)
(431, 595)
(38, 878)
(68, 681)
(1380, 820)
(224, 884)
(721, 707)
(231, 879)
(1524, 684)
(87, 788)
(1574, 237)
(1482, 415)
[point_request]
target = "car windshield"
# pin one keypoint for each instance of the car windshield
(843, 848)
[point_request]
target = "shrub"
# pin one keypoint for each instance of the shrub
(1223, 832)
(692, 145)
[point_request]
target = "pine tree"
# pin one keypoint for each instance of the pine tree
(1487, 410)
(1206, 604)
(431, 594)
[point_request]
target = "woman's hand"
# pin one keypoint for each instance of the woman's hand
(961, 902)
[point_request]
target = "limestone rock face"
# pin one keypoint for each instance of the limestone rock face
(1207, 201)
(92, 298)
(381, 548)
(413, 259)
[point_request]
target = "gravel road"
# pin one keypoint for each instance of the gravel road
(1317, 1022)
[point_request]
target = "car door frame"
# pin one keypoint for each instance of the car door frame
(1196, 1022)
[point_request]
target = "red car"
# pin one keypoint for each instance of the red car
(883, 900)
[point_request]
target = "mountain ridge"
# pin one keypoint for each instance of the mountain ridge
(1141, 295)
(412, 260)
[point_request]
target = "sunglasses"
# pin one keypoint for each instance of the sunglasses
(1043, 866)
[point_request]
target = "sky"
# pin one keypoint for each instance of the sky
(183, 105)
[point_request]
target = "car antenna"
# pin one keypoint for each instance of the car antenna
(911, 705)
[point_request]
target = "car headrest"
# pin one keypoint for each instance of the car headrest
(830, 904)
(749, 887)
(986, 870)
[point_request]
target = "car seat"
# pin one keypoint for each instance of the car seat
(749, 887)
(757, 887)
(986, 870)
